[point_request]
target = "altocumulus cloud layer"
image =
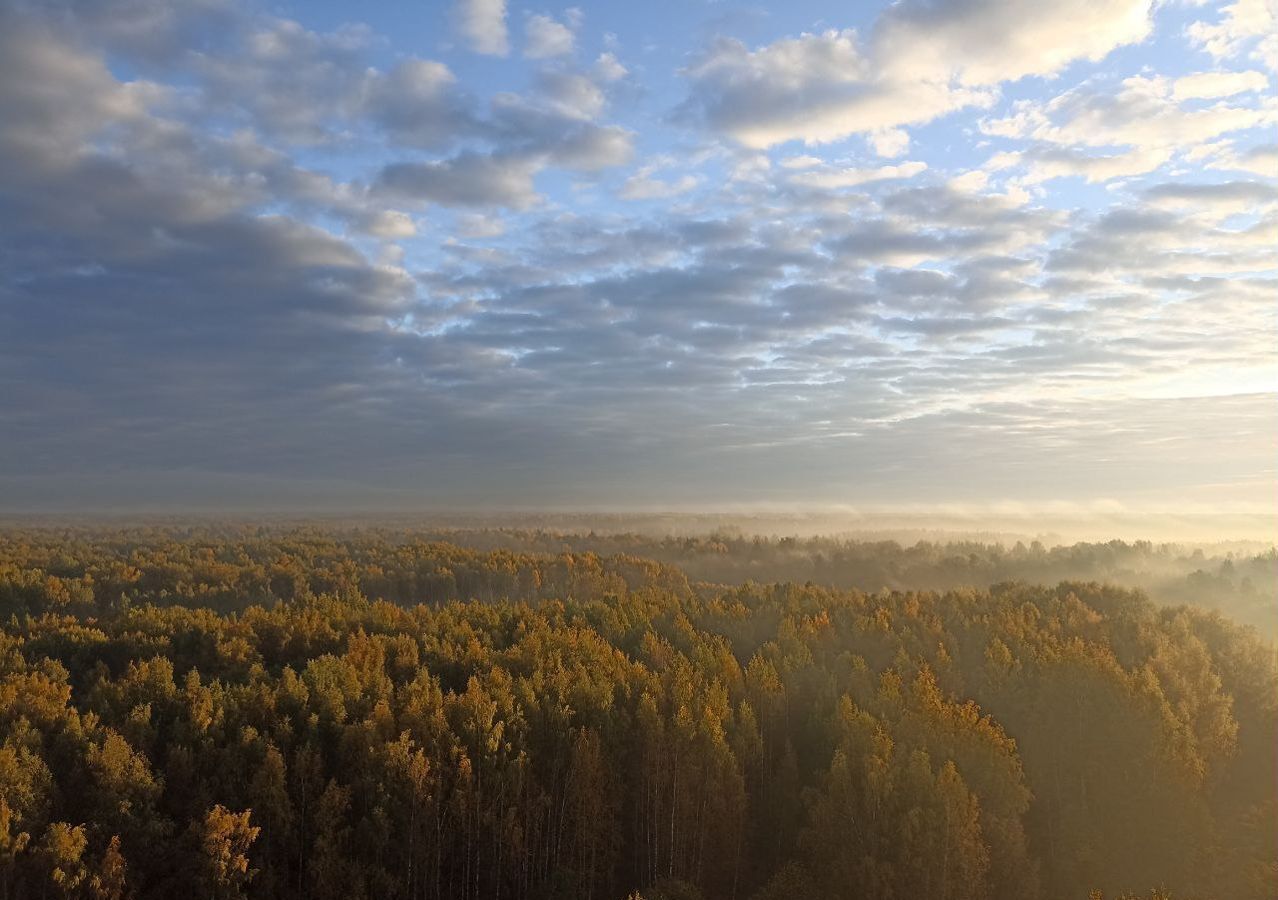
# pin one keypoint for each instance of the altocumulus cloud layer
(947, 252)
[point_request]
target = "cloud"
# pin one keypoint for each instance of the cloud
(972, 181)
(417, 103)
(83, 102)
(297, 87)
(803, 161)
(470, 179)
(1259, 160)
(479, 225)
(1211, 85)
(890, 142)
(1172, 233)
(1142, 116)
(545, 38)
(482, 25)
(170, 316)
(986, 42)
(556, 133)
(608, 68)
(78, 96)
(389, 223)
(643, 186)
(592, 148)
(1231, 196)
(1000, 214)
(830, 177)
(1240, 23)
(1045, 162)
(944, 327)
(922, 61)
(573, 94)
(1266, 52)
(813, 88)
(152, 32)
(284, 79)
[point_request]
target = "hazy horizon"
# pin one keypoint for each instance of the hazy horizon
(988, 524)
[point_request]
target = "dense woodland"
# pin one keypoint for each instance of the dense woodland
(232, 712)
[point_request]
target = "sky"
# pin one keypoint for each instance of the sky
(977, 254)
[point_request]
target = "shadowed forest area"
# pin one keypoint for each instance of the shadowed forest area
(303, 712)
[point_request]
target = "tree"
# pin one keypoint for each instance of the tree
(13, 843)
(225, 838)
(62, 853)
(108, 882)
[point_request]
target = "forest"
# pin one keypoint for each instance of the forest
(311, 712)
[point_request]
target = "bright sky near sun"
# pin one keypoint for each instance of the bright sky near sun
(488, 253)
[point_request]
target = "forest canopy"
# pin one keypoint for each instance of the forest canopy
(267, 712)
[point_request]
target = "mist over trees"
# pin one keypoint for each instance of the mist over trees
(1241, 582)
(254, 712)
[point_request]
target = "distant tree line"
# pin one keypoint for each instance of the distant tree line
(257, 713)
